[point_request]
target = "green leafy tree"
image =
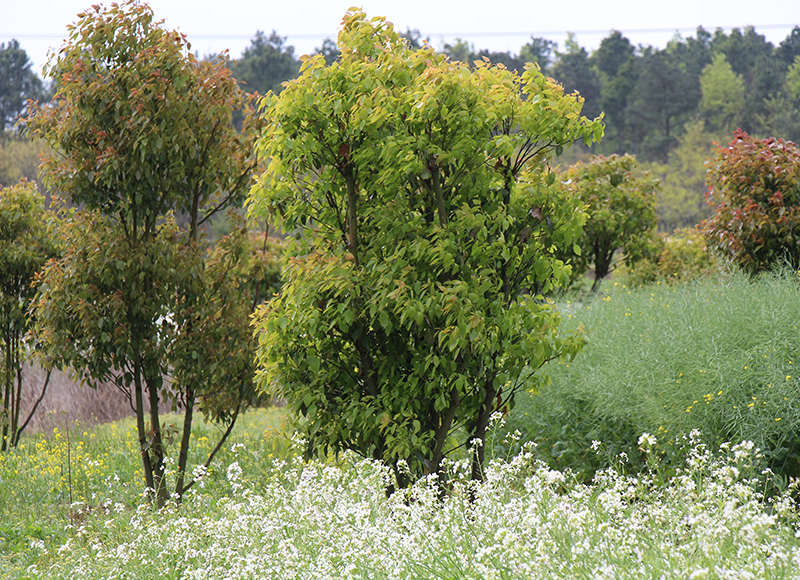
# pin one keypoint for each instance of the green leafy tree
(621, 208)
(618, 72)
(789, 49)
(723, 95)
(754, 193)
(782, 111)
(793, 80)
(142, 132)
(18, 83)
(660, 105)
(682, 202)
(417, 188)
(266, 64)
(753, 58)
(27, 241)
(574, 70)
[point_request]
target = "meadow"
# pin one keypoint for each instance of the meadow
(644, 458)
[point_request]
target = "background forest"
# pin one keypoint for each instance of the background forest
(668, 107)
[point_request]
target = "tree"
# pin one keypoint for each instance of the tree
(418, 192)
(616, 63)
(723, 95)
(266, 64)
(661, 103)
(752, 57)
(540, 51)
(754, 194)
(793, 80)
(18, 83)
(621, 208)
(789, 49)
(141, 132)
(614, 51)
(27, 241)
(574, 71)
(681, 201)
(781, 117)
(692, 55)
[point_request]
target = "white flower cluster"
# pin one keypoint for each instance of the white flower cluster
(320, 520)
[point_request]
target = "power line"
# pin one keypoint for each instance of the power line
(50, 36)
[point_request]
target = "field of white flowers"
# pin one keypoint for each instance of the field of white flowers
(319, 520)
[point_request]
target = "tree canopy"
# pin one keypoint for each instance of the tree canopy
(142, 132)
(27, 241)
(18, 83)
(424, 222)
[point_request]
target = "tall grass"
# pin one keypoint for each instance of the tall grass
(719, 355)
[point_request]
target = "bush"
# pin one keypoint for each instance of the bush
(677, 257)
(621, 208)
(754, 190)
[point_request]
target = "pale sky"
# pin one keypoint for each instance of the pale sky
(501, 25)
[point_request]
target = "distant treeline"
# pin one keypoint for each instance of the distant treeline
(666, 106)
(727, 80)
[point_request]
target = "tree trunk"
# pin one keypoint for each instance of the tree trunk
(18, 395)
(443, 429)
(479, 452)
(352, 216)
(157, 445)
(8, 386)
(15, 442)
(183, 455)
(144, 446)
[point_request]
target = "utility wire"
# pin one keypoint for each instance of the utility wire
(453, 34)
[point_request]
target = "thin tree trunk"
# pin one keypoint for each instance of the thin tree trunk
(352, 216)
(18, 397)
(479, 452)
(183, 455)
(217, 448)
(8, 385)
(444, 429)
(157, 445)
(144, 446)
(35, 406)
(441, 211)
